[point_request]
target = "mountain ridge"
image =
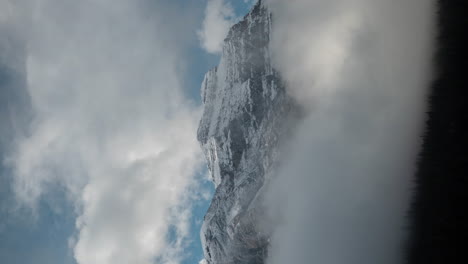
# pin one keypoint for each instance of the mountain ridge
(246, 113)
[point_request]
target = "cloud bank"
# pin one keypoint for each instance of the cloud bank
(112, 126)
(219, 17)
(361, 69)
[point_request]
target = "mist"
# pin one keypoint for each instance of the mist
(112, 128)
(361, 70)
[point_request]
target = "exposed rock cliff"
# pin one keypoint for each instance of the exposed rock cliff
(246, 112)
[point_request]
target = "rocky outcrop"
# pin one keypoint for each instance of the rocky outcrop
(246, 113)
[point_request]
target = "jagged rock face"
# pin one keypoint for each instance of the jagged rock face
(246, 112)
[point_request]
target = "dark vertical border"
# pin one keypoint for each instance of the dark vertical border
(439, 222)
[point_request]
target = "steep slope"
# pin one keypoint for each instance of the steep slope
(246, 112)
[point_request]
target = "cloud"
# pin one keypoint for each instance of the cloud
(112, 125)
(5, 11)
(219, 17)
(361, 69)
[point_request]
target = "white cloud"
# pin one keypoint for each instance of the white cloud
(219, 17)
(5, 11)
(111, 125)
(361, 68)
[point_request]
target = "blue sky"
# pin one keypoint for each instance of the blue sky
(42, 235)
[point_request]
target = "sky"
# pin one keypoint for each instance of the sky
(100, 162)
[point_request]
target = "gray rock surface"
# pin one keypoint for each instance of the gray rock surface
(246, 113)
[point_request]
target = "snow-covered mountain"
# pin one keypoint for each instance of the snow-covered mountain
(246, 113)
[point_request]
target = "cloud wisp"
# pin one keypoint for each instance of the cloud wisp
(112, 125)
(219, 17)
(361, 69)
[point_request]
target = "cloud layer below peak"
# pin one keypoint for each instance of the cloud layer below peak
(361, 69)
